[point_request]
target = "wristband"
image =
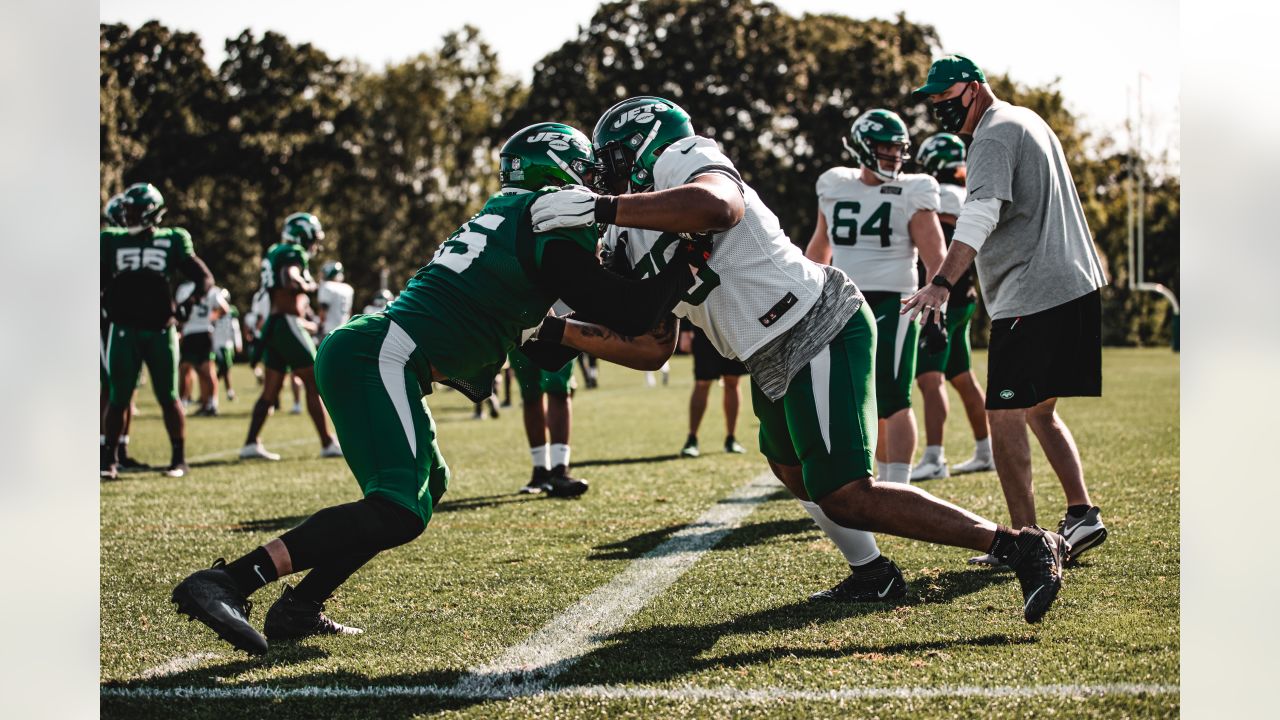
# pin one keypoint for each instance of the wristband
(941, 281)
(552, 330)
(606, 209)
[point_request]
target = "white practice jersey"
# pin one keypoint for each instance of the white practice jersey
(757, 284)
(952, 198)
(199, 321)
(259, 309)
(338, 298)
(867, 226)
(226, 332)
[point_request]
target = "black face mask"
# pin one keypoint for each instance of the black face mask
(951, 113)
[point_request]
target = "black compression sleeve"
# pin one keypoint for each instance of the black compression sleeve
(629, 307)
(196, 271)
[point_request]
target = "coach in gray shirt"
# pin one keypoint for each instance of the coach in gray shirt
(1040, 278)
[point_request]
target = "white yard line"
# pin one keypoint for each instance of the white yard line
(176, 666)
(619, 692)
(528, 667)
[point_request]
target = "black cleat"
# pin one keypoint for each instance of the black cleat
(560, 485)
(1037, 560)
(292, 618)
(211, 597)
(538, 483)
(881, 582)
(128, 464)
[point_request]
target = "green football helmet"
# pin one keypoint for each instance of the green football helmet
(870, 133)
(143, 206)
(630, 135)
(546, 154)
(333, 270)
(303, 229)
(941, 152)
(114, 211)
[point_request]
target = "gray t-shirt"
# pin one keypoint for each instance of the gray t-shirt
(1040, 254)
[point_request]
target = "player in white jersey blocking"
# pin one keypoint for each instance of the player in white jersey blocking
(802, 330)
(871, 221)
(335, 298)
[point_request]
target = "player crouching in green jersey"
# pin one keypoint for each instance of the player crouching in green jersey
(485, 290)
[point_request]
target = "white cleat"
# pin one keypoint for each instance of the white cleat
(988, 560)
(930, 470)
(296, 409)
(255, 451)
(333, 449)
(973, 465)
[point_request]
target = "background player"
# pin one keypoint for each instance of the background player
(871, 221)
(547, 399)
(197, 348)
(379, 303)
(334, 298)
(285, 342)
(113, 213)
(709, 366)
(136, 264)
(228, 341)
(942, 156)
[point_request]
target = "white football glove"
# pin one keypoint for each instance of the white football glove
(572, 206)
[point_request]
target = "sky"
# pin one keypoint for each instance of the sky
(1096, 49)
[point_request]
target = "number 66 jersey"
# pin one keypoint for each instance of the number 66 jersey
(757, 284)
(868, 226)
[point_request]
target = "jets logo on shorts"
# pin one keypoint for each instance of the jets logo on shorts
(1006, 394)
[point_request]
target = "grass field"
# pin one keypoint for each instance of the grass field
(732, 636)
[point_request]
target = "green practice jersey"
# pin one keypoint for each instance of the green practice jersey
(137, 270)
(280, 256)
(465, 309)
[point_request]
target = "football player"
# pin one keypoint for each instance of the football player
(285, 343)
(801, 328)
(871, 221)
(334, 298)
(942, 156)
(485, 290)
(710, 366)
(197, 348)
(228, 341)
(113, 213)
(546, 398)
(136, 264)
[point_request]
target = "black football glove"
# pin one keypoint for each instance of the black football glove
(933, 337)
(617, 261)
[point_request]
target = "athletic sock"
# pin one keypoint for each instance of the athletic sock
(932, 453)
(1077, 511)
(539, 455)
(897, 473)
(102, 441)
(857, 546)
(179, 451)
(882, 471)
(982, 448)
(252, 571)
(1003, 544)
(560, 455)
(124, 440)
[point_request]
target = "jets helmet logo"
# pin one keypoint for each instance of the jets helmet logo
(867, 124)
(557, 141)
(642, 114)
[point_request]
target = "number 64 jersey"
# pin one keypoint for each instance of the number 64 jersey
(868, 226)
(757, 284)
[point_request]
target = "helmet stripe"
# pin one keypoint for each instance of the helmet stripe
(563, 166)
(649, 138)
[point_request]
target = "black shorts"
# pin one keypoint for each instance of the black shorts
(197, 348)
(708, 363)
(1052, 353)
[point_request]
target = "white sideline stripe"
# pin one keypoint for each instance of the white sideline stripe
(527, 667)
(619, 692)
(235, 452)
(176, 665)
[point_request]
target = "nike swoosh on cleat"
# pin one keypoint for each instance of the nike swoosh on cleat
(887, 588)
(260, 575)
(1031, 597)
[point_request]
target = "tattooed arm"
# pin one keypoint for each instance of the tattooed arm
(641, 352)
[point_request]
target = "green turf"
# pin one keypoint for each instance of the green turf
(494, 566)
